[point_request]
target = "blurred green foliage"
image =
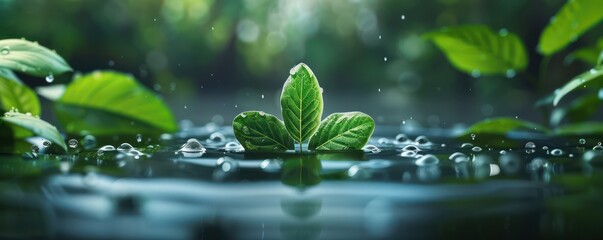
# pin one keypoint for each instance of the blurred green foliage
(187, 49)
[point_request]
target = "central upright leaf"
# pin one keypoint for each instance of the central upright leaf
(301, 103)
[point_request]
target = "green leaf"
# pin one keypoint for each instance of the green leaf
(107, 102)
(575, 18)
(37, 126)
(343, 131)
(9, 74)
(581, 109)
(477, 49)
(578, 81)
(501, 126)
(580, 129)
(301, 103)
(22, 98)
(259, 131)
(19, 96)
(31, 58)
(588, 55)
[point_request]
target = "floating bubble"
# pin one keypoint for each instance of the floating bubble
(582, 141)
(125, 147)
(72, 143)
(371, 148)
(458, 157)
(598, 148)
(192, 148)
(467, 145)
(422, 140)
(427, 160)
(530, 147)
(233, 146)
(107, 148)
(557, 152)
(138, 137)
(401, 138)
(413, 148)
(408, 154)
(216, 137)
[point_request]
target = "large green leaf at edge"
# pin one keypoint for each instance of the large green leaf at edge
(580, 129)
(580, 80)
(16, 95)
(36, 125)
(301, 103)
(502, 126)
(343, 131)
(477, 48)
(259, 131)
(31, 58)
(574, 18)
(107, 102)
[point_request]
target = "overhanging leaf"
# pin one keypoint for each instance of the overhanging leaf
(343, 131)
(16, 95)
(9, 74)
(301, 103)
(580, 129)
(36, 125)
(501, 126)
(92, 103)
(574, 18)
(31, 58)
(593, 74)
(477, 49)
(259, 131)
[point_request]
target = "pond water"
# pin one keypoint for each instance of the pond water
(417, 187)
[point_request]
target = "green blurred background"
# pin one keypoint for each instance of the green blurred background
(214, 59)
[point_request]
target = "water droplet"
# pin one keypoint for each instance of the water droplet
(216, 137)
(125, 147)
(88, 142)
(408, 154)
(598, 148)
(473, 136)
(243, 115)
(427, 160)
(246, 130)
(46, 143)
(192, 148)
(582, 141)
(379, 90)
(72, 143)
(422, 140)
(262, 113)
(538, 164)
(107, 148)
(271, 165)
(138, 137)
(233, 147)
(557, 152)
(212, 28)
(5, 51)
(401, 138)
(458, 157)
(413, 148)
(502, 152)
(476, 73)
(466, 145)
(35, 149)
(49, 78)
(379, 36)
(385, 59)
(476, 149)
(262, 96)
(510, 73)
(402, 17)
(371, 148)
(321, 90)
(530, 147)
